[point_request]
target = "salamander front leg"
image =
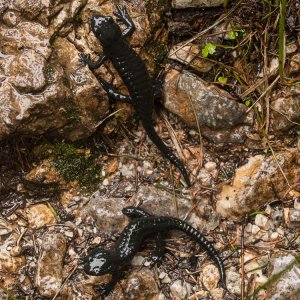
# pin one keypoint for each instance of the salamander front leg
(105, 288)
(113, 93)
(85, 59)
(123, 16)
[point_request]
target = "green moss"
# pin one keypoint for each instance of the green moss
(156, 6)
(72, 113)
(73, 165)
(159, 52)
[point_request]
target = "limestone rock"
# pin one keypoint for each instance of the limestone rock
(257, 183)
(44, 89)
(39, 215)
(50, 265)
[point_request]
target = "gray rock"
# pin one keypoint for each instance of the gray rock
(196, 3)
(294, 218)
(50, 265)
(285, 112)
(287, 287)
(221, 117)
(161, 203)
(233, 282)
(107, 211)
(140, 284)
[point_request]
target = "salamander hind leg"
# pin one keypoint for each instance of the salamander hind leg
(159, 252)
(113, 93)
(85, 59)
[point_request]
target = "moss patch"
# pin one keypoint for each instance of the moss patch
(74, 164)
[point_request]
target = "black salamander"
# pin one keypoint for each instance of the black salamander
(132, 71)
(100, 261)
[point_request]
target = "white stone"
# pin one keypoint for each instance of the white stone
(178, 290)
(248, 227)
(280, 231)
(261, 220)
(268, 210)
(166, 279)
(211, 277)
(162, 275)
(274, 236)
(210, 166)
(138, 260)
(69, 233)
(233, 282)
(105, 182)
(255, 229)
(297, 204)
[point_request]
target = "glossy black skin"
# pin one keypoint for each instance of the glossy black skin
(132, 71)
(100, 261)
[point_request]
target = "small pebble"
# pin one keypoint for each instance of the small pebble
(69, 234)
(255, 229)
(166, 279)
(248, 227)
(297, 204)
(261, 220)
(280, 231)
(210, 166)
(162, 275)
(96, 240)
(274, 235)
(137, 260)
(178, 290)
(105, 182)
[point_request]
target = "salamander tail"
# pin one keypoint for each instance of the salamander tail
(166, 151)
(205, 244)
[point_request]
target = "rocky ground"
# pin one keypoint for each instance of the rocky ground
(70, 160)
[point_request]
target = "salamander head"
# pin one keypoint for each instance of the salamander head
(105, 29)
(99, 262)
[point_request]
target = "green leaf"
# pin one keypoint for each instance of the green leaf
(266, 151)
(232, 35)
(248, 102)
(208, 49)
(222, 79)
(258, 212)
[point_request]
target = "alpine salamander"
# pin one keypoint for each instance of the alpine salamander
(133, 73)
(101, 261)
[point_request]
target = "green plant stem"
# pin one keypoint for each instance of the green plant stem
(281, 41)
(273, 278)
